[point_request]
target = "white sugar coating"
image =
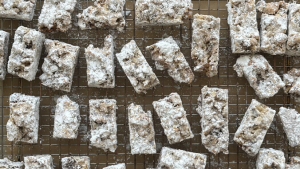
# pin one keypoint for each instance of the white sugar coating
(7, 164)
(75, 162)
(205, 44)
(167, 55)
(56, 15)
(104, 14)
(17, 9)
(136, 68)
(4, 42)
(243, 26)
(39, 162)
(295, 163)
(173, 118)
(25, 53)
(142, 134)
(290, 119)
(103, 123)
(213, 109)
(270, 158)
(23, 123)
(118, 166)
(260, 75)
(67, 118)
(292, 83)
(59, 65)
(293, 42)
(273, 26)
(100, 65)
(175, 159)
(162, 12)
(254, 126)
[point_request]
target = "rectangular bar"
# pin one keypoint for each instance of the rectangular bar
(75, 162)
(243, 26)
(7, 164)
(167, 55)
(100, 65)
(4, 42)
(260, 75)
(290, 119)
(142, 134)
(56, 15)
(25, 53)
(173, 158)
(254, 126)
(103, 123)
(136, 68)
(162, 12)
(17, 9)
(292, 83)
(173, 118)
(273, 26)
(23, 123)
(205, 44)
(118, 166)
(67, 118)
(59, 65)
(270, 158)
(293, 42)
(213, 110)
(39, 162)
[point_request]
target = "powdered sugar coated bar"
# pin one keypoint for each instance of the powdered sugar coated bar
(25, 53)
(243, 26)
(254, 127)
(56, 15)
(17, 9)
(103, 123)
(292, 83)
(260, 75)
(173, 158)
(173, 118)
(7, 164)
(162, 12)
(270, 158)
(100, 65)
(213, 109)
(142, 134)
(295, 163)
(205, 44)
(118, 166)
(4, 39)
(59, 65)
(76, 162)
(23, 123)
(293, 42)
(136, 68)
(167, 55)
(39, 162)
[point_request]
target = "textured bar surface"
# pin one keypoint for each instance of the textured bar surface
(17, 9)
(118, 166)
(7, 164)
(293, 42)
(292, 83)
(76, 162)
(294, 164)
(4, 42)
(270, 158)
(39, 162)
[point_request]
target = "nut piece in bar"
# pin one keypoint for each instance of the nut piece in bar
(292, 83)
(23, 123)
(76, 162)
(213, 109)
(136, 68)
(254, 126)
(17, 9)
(56, 15)
(243, 26)
(100, 65)
(104, 14)
(25, 53)
(39, 162)
(103, 123)
(167, 55)
(270, 158)
(295, 163)
(273, 26)
(290, 119)
(173, 158)
(59, 65)
(67, 118)
(162, 12)
(205, 44)
(293, 42)
(7, 164)
(260, 75)
(4, 39)
(118, 166)
(142, 134)
(173, 118)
